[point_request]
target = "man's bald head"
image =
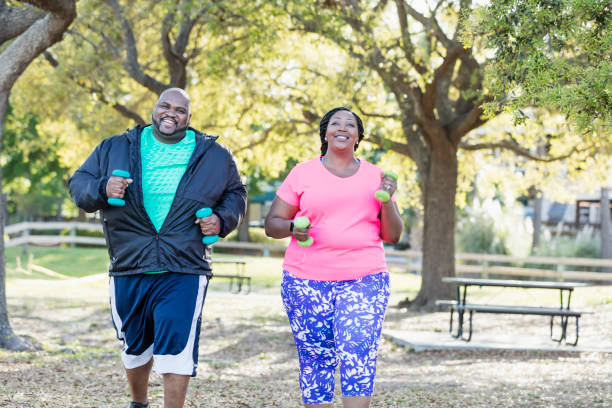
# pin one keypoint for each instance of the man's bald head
(177, 90)
(171, 115)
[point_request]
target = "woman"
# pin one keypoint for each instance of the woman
(335, 291)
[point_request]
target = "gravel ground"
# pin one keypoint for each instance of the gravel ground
(247, 358)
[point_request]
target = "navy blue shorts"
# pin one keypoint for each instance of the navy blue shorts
(159, 316)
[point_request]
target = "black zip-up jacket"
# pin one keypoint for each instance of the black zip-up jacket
(134, 246)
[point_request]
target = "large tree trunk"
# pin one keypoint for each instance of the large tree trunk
(8, 339)
(243, 228)
(439, 189)
(14, 59)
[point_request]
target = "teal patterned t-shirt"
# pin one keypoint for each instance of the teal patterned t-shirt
(163, 166)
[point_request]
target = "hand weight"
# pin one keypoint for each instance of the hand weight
(301, 223)
(203, 213)
(118, 202)
(382, 195)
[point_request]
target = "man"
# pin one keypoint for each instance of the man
(159, 267)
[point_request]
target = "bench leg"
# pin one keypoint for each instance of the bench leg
(563, 336)
(470, 334)
(576, 339)
(450, 327)
(459, 333)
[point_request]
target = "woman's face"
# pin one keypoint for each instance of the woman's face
(342, 132)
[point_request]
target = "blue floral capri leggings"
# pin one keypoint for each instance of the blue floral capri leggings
(336, 322)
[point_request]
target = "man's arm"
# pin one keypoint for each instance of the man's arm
(231, 209)
(88, 184)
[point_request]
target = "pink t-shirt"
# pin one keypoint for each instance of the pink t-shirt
(343, 214)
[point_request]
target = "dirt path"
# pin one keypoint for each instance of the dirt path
(247, 359)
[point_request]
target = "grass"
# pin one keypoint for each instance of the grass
(247, 354)
(81, 262)
(266, 274)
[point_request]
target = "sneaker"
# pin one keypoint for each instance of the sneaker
(138, 405)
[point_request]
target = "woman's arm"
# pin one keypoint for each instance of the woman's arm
(391, 224)
(278, 221)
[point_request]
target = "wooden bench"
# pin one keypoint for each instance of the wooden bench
(507, 309)
(563, 311)
(239, 277)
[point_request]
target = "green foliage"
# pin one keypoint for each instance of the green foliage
(257, 235)
(549, 53)
(488, 227)
(586, 244)
(34, 177)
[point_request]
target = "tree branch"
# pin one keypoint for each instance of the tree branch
(15, 20)
(58, 7)
(39, 36)
(441, 73)
(513, 147)
(131, 64)
(121, 109)
(464, 123)
(401, 148)
(406, 44)
(431, 24)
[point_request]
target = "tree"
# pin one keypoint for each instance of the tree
(123, 57)
(30, 29)
(437, 86)
(33, 175)
(553, 54)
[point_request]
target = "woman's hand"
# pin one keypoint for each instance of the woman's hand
(388, 184)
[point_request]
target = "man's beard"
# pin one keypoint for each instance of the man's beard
(178, 133)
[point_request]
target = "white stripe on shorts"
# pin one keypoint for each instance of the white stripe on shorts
(183, 363)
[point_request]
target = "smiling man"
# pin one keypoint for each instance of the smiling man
(159, 267)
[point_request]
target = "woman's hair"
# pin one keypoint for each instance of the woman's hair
(325, 122)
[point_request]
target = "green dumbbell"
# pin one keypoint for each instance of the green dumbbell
(302, 223)
(203, 213)
(118, 202)
(382, 195)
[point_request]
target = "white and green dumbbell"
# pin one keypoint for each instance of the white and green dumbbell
(382, 195)
(302, 223)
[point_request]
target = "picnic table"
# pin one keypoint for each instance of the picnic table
(239, 277)
(461, 306)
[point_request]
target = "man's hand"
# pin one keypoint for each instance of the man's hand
(210, 225)
(115, 187)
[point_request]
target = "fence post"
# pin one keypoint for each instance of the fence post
(25, 234)
(560, 269)
(72, 236)
(604, 207)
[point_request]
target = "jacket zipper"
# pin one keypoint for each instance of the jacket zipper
(157, 248)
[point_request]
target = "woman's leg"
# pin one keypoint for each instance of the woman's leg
(360, 311)
(310, 311)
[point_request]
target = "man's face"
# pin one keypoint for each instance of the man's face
(171, 115)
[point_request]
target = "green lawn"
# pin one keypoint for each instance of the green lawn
(266, 273)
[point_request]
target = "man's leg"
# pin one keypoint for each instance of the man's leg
(177, 315)
(138, 380)
(175, 390)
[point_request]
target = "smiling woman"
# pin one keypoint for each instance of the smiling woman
(335, 291)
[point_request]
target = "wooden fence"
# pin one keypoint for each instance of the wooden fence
(585, 269)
